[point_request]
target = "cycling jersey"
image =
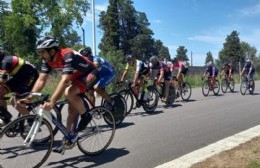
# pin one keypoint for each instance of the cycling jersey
(20, 74)
(139, 66)
(227, 69)
(71, 62)
(179, 65)
(162, 67)
(106, 71)
(211, 70)
(247, 68)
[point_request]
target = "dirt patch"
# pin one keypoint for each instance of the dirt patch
(239, 157)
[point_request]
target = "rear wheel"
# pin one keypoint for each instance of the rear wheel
(15, 152)
(151, 103)
(224, 85)
(232, 85)
(205, 88)
(98, 134)
(252, 87)
(172, 95)
(185, 91)
(119, 108)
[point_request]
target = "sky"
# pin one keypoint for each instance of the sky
(198, 25)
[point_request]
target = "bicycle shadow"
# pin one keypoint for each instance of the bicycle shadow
(143, 113)
(124, 125)
(171, 106)
(107, 156)
(186, 101)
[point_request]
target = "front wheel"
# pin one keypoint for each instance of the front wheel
(243, 87)
(129, 98)
(15, 152)
(150, 104)
(205, 88)
(172, 95)
(224, 85)
(252, 87)
(185, 91)
(98, 134)
(232, 85)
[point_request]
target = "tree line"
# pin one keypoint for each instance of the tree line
(125, 30)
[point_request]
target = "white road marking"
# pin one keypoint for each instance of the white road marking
(199, 155)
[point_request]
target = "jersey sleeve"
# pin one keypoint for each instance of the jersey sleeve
(68, 63)
(45, 68)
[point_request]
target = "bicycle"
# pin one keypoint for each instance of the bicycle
(148, 101)
(32, 108)
(227, 83)
(184, 91)
(28, 151)
(161, 91)
(208, 86)
(245, 85)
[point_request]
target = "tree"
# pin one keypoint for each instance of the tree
(248, 51)
(182, 54)
(209, 57)
(231, 51)
(161, 51)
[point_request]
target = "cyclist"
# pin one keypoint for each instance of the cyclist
(106, 74)
(182, 70)
(163, 73)
(249, 72)
(78, 75)
(18, 76)
(141, 70)
(227, 71)
(212, 72)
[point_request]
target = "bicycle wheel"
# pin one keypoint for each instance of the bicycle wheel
(151, 103)
(119, 108)
(185, 91)
(98, 135)
(172, 95)
(15, 152)
(232, 85)
(251, 91)
(216, 88)
(224, 85)
(205, 88)
(129, 98)
(243, 87)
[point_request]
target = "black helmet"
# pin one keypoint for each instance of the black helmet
(85, 51)
(225, 64)
(128, 57)
(47, 42)
(174, 60)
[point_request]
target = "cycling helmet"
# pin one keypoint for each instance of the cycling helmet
(128, 57)
(154, 59)
(225, 64)
(209, 63)
(174, 60)
(85, 51)
(47, 42)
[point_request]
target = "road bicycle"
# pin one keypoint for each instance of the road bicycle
(32, 108)
(28, 149)
(184, 91)
(148, 100)
(208, 86)
(245, 85)
(227, 83)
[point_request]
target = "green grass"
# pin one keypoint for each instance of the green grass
(254, 164)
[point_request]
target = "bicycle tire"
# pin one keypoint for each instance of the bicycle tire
(216, 88)
(186, 91)
(119, 108)
(232, 85)
(96, 131)
(172, 95)
(205, 88)
(224, 85)
(252, 88)
(150, 105)
(14, 152)
(129, 98)
(243, 87)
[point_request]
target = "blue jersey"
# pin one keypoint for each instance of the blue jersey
(104, 67)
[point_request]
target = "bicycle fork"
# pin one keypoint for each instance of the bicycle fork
(36, 126)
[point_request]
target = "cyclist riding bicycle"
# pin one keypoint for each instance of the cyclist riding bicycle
(248, 71)
(227, 71)
(78, 75)
(163, 73)
(18, 76)
(141, 72)
(182, 70)
(212, 72)
(106, 74)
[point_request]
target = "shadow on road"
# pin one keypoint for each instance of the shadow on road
(107, 156)
(171, 106)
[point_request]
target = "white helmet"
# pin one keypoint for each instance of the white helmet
(47, 42)
(209, 63)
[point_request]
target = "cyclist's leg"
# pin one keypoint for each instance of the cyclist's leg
(91, 97)
(167, 77)
(5, 116)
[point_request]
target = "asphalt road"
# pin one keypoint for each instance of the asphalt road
(145, 141)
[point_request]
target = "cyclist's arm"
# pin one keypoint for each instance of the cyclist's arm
(40, 83)
(161, 76)
(124, 74)
(179, 73)
(242, 72)
(136, 77)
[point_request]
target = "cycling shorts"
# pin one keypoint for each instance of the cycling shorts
(106, 79)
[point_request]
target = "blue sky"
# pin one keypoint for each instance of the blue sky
(199, 25)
